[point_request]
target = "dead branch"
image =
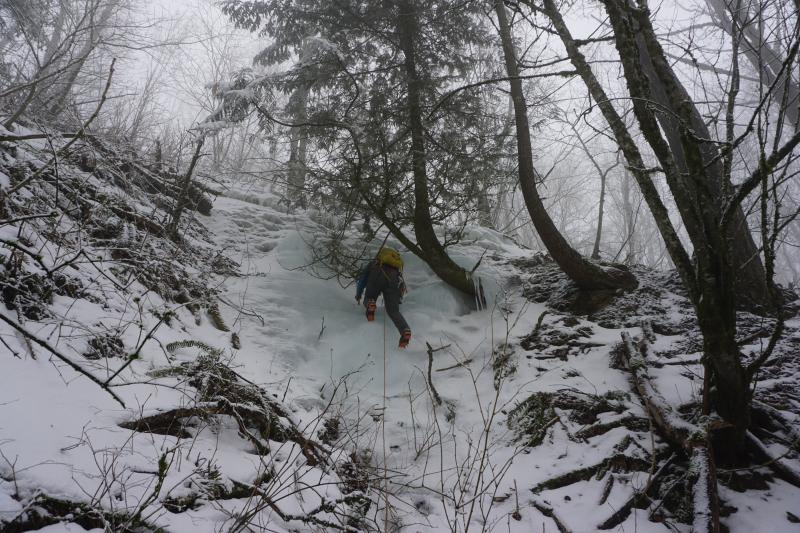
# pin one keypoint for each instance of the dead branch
(637, 498)
(460, 364)
(776, 416)
(678, 432)
(37, 136)
(619, 461)
(75, 366)
(631, 422)
(431, 351)
(551, 514)
(267, 424)
(783, 470)
(77, 136)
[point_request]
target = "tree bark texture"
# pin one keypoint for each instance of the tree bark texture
(698, 186)
(434, 253)
(697, 158)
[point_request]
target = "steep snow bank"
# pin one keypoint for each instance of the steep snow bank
(302, 339)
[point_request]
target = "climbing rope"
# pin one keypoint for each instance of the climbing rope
(383, 436)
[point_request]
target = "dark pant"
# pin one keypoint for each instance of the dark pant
(386, 281)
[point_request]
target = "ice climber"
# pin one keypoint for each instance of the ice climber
(384, 275)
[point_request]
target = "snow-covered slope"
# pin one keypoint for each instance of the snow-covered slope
(525, 397)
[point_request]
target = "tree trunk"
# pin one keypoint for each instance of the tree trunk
(183, 194)
(599, 235)
(298, 141)
(676, 111)
(630, 149)
(585, 274)
(435, 255)
(484, 207)
(697, 187)
(630, 221)
(731, 393)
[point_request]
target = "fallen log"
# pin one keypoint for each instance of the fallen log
(705, 502)
(790, 427)
(776, 463)
(268, 425)
(637, 498)
(676, 430)
(631, 422)
(615, 463)
(692, 439)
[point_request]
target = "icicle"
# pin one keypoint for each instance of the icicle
(480, 299)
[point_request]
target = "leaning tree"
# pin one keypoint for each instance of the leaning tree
(709, 178)
(381, 112)
(583, 272)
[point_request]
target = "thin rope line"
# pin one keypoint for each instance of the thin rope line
(383, 432)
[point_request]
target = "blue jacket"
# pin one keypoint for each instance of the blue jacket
(362, 280)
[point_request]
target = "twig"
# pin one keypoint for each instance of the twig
(135, 355)
(36, 136)
(64, 358)
(538, 324)
(13, 352)
(550, 513)
(286, 390)
(460, 364)
(77, 136)
(431, 351)
(322, 329)
(28, 217)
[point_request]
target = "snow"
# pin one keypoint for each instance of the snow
(306, 341)
(67, 528)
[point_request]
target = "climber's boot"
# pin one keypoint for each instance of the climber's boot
(405, 338)
(371, 306)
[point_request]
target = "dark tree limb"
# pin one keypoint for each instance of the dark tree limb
(183, 194)
(550, 513)
(781, 468)
(584, 273)
(431, 351)
(676, 430)
(638, 497)
(75, 366)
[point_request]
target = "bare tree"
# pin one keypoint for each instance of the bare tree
(584, 273)
(707, 215)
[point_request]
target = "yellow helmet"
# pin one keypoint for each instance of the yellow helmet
(391, 257)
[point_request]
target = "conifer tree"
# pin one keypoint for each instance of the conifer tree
(380, 110)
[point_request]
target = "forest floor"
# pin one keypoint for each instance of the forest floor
(259, 396)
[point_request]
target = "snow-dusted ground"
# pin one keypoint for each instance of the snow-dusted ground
(449, 466)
